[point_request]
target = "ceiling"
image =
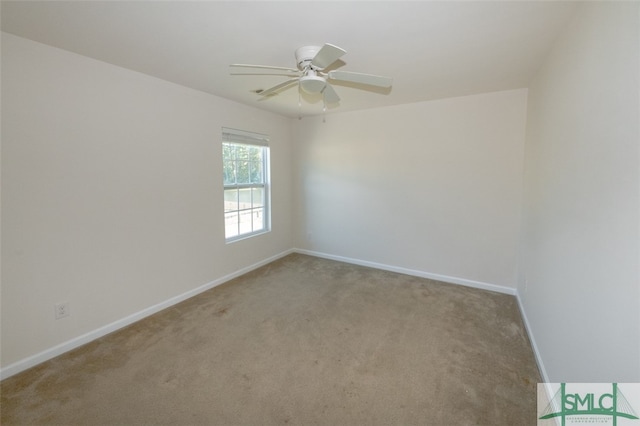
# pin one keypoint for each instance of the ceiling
(432, 50)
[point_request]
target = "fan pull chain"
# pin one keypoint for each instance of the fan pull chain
(324, 111)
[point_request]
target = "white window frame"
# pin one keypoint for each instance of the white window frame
(253, 210)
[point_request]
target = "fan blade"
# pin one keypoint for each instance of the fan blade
(356, 77)
(277, 74)
(327, 55)
(278, 87)
(330, 95)
(266, 67)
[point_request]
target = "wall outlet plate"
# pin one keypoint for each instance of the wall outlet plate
(61, 310)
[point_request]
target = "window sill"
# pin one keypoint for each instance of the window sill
(246, 236)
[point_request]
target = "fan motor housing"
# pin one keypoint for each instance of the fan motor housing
(305, 55)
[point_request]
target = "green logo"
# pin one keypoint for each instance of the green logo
(588, 404)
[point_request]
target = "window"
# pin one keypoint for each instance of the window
(245, 159)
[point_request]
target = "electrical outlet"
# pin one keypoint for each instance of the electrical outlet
(61, 310)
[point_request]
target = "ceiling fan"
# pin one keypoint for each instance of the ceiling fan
(310, 75)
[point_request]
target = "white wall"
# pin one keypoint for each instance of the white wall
(432, 187)
(580, 282)
(112, 193)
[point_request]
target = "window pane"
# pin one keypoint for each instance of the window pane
(258, 219)
(242, 151)
(230, 199)
(258, 197)
(244, 198)
(231, 224)
(256, 172)
(242, 172)
(255, 153)
(228, 152)
(229, 170)
(245, 222)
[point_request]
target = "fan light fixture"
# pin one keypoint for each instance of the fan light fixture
(312, 82)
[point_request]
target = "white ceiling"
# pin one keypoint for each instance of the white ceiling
(432, 50)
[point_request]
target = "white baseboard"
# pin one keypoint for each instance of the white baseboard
(412, 272)
(47, 354)
(534, 346)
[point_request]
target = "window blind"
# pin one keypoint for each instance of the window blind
(242, 136)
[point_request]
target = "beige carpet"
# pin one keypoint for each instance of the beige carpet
(301, 341)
